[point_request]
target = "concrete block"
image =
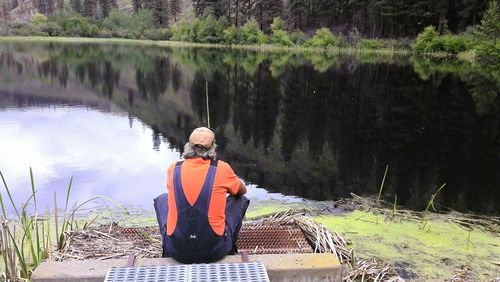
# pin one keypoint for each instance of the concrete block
(282, 267)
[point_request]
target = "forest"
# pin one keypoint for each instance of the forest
(422, 26)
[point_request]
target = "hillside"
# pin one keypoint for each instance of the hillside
(23, 10)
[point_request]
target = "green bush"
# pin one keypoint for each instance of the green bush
(429, 41)
(455, 43)
(231, 35)
(209, 30)
(158, 34)
(106, 33)
(489, 50)
(426, 40)
(120, 24)
(39, 19)
(117, 20)
(141, 21)
(370, 44)
(200, 30)
(278, 24)
(323, 38)
(179, 30)
(26, 29)
(251, 33)
(52, 29)
(79, 26)
(279, 35)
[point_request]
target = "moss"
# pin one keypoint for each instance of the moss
(431, 253)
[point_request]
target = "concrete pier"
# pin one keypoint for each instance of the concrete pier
(282, 267)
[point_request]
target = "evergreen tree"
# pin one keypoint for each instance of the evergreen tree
(199, 7)
(60, 5)
(147, 4)
(265, 11)
(247, 8)
(89, 8)
(105, 7)
(40, 6)
(159, 8)
(490, 24)
(217, 8)
(49, 7)
(76, 5)
(175, 9)
(240, 11)
(136, 5)
(234, 12)
(5, 12)
(297, 10)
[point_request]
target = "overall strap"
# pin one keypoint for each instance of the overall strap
(180, 198)
(206, 190)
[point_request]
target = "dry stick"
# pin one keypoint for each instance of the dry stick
(105, 235)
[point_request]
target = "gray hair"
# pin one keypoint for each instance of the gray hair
(191, 152)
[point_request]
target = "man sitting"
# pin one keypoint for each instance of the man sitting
(198, 223)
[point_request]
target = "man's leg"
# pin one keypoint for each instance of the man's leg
(161, 209)
(236, 208)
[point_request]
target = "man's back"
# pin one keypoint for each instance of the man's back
(193, 172)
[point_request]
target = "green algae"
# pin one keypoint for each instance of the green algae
(434, 253)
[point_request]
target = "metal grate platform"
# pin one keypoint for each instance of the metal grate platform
(250, 272)
(272, 239)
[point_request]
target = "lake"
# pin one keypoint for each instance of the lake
(293, 125)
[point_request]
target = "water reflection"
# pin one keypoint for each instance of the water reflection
(314, 126)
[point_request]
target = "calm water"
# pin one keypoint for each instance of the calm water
(294, 126)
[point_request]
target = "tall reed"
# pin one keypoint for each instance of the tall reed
(382, 184)
(430, 204)
(25, 240)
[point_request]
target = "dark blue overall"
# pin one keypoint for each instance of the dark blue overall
(193, 240)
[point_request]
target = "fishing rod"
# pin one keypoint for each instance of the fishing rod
(208, 108)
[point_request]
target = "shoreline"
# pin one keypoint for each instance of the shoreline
(261, 48)
(436, 246)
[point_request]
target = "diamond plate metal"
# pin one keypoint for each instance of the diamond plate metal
(250, 272)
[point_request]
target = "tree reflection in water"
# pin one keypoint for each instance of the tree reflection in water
(306, 124)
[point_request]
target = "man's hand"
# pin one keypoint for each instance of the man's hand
(242, 190)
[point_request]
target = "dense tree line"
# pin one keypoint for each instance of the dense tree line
(371, 18)
(374, 18)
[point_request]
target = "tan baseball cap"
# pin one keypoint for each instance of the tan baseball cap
(202, 136)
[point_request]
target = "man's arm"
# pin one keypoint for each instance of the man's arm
(242, 190)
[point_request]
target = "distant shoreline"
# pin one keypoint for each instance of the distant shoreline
(261, 48)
